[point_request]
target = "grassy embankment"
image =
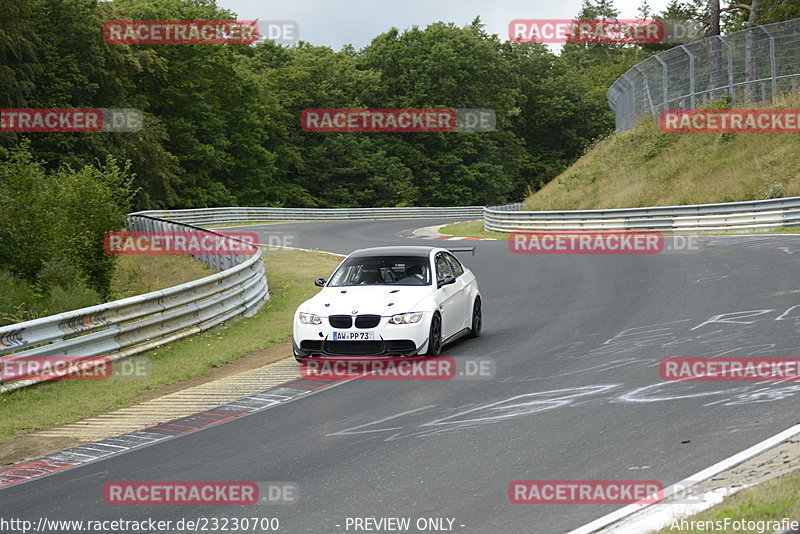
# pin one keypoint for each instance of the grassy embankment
(645, 166)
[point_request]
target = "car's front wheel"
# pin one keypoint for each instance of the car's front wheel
(477, 319)
(435, 337)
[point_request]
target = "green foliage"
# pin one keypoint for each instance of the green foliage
(52, 223)
(657, 143)
(221, 126)
(221, 122)
(22, 301)
(17, 71)
(17, 299)
(779, 10)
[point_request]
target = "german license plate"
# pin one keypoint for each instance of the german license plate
(353, 336)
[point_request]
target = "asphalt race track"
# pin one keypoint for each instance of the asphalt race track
(576, 340)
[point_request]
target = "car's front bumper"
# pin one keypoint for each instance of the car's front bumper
(389, 339)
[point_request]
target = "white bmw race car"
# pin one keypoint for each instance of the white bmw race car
(394, 301)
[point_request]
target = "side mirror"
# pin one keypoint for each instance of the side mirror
(320, 282)
(447, 280)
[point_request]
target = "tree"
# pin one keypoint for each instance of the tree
(18, 65)
(56, 220)
(750, 52)
(715, 49)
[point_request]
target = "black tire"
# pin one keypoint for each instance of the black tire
(477, 319)
(435, 337)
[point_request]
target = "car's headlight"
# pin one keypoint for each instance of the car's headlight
(406, 318)
(309, 318)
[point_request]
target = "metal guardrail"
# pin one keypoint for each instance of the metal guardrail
(517, 206)
(122, 328)
(750, 66)
(697, 217)
(211, 216)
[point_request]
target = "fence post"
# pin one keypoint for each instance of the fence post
(691, 75)
(730, 67)
(664, 81)
(773, 63)
(632, 104)
(646, 97)
(752, 80)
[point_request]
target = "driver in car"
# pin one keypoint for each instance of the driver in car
(415, 271)
(371, 275)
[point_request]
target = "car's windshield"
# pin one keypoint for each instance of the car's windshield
(382, 270)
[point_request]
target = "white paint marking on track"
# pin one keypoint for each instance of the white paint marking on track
(653, 509)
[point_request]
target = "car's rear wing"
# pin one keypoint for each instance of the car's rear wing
(461, 249)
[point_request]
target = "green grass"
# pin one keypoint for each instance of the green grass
(781, 230)
(470, 229)
(135, 275)
(773, 500)
(290, 275)
(645, 166)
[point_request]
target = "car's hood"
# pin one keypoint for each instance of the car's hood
(378, 300)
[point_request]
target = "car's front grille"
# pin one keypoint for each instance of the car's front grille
(367, 321)
(353, 348)
(340, 321)
(362, 321)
